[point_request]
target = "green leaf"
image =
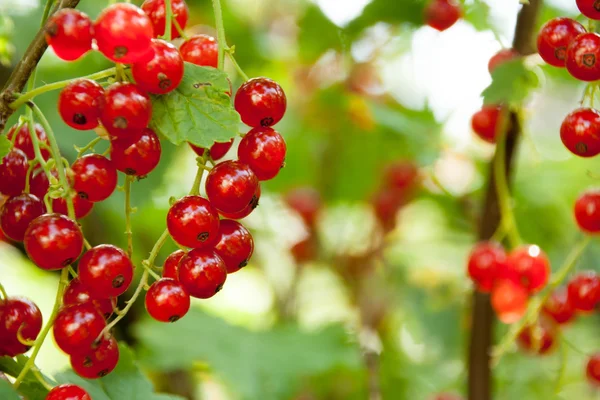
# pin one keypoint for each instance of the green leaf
(125, 382)
(7, 392)
(317, 34)
(512, 82)
(390, 11)
(478, 14)
(256, 365)
(30, 386)
(198, 111)
(5, 146)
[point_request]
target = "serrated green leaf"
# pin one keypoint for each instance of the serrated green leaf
(198, 111)
(5, 146)
(512, 81)
(125, 382)
(30, 386)
(7, 392)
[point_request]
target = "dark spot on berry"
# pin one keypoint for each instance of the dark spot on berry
(203, 236)
(163, 81)
(67, 262)
(243, 264)
(174, 318)
(581, 148)
(560, 52)
(79, 119)
(254, 202)
(82, 195)
(87, 362)
(130, 171)
(102, 373)
(120, 52)
(218, 289)
(266, 121)
(597, 5)
(589, 60)
(120, 123)
(52, 29)
(118, 281)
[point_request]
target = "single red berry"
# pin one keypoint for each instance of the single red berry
(69, 32)
(167, 300)
(554, 38)
(23, 140)
(106, 271)
(442, 14)
(77, 327)
(584, 291)
(38, 182)
(123, 33)
(531, 266)
(53, 241)
(68, 391)
(583, 57)
(163, 73)
(231, 186)
(559, 307)
(501, 57)
(592, 369)
(580, 132)
(201, 50)
(235, 245)
(80, 104)
(202, 273)
(246, 210)
(386, 204)
(589, 8)
(305, 250)
(193, 222)
(260, 102)
(216, 151)
(307, 202)
(98, 361)
(13, 173)
(485, 260)
(81, 206)
(137, 155)
(539, 338)
(95, 177)
(485, 122)
(509, 300)
(263, 150)
(171, 267)
(587, 211)
(18, 316)
(77, 293)
(155, 10)
(126, 109)
(17, 213)
(401, 176)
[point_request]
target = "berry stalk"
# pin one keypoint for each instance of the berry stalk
(220, 32)
(168, 20)
(128, 209)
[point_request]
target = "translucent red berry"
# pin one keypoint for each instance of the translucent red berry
(305, 250)
(509, 301)
(17, 213)
(260, 102)
(501, 57)
(13, 173)
(386, 204)
(98, 361)
(193, 222)
(137, 155)
(401, 176)
(592, 369)
(202, 273)
(216, 151)
(80, 104)
(18, 316)
(68, 392)
(442, 14)
(589, 8)
(77, 293)
(167, 300)
(230, 186)
(235, 245)
(532, 267)
(243, 213)
(23, 140)
(307, 202)
(69, 32)
(77, 327)
(263, 150)
(554, 38)
(485, 122)
(38, 182)
(580, 132)
(584, 291)
(559, 307)
(485, 260)
(583, 57)
(539, 338)
(53, 241)
(155, 9)
(123, 33)
(201, 50)
(587, 211)
(171, 266)
(95, 177)
(81, 206)
(106, 271)
(126, 109)
(163, 72)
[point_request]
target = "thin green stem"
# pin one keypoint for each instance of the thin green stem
(47, 8)
(128, 231)
(179, 29)
(41, 378)
(89, 146)
(220, 32)
(168, 19)
(32, 165)
(36, 145)
(237, 66)
(195, 190)
(87, 244)
(3, 292)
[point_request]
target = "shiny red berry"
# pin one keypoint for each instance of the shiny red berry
(77, 293)
(554, 38)
(532, 267)
(23, 140)
(592, 369)
(587, 211)
(580, 132)
(167, 300)
(501, 57)
(80, 104)
(171, 266)
(246, 210)
(69, 32)
(81, 206)
(307, 202)
(68, 392)
(17, 213)
(583, 57)
(260, 102)
(485, 122)
(126, 109)
(53, 241)
(155, 9)
(163, 73)
(539, 338)
(559, 307)
(123, 33)
(13, 173)
(95, 177)
(584, 291)
(98, 361)
(235, 245)
(216, 151)
(77, 327)
(193, 222)
(18, 315)
(485, 260)
(442, 14)
(106, 271)
(230, 186)
(137, 155)
(509, 301)
(38, 182)
(263, 150)
(589, 8)
(201, 50)
(202, 273)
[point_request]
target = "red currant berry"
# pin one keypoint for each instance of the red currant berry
(82, 207)
(305, 250)
(77, 293)
(193, 222)
(38, 182)
(485, 260)
(216, 151)
(17, 213)
(231, 186)
(235, 245)
(263, 150)
(554, 38)
(68, 392)
(53, 241)
(401, 175)
(583, 57)
(442, 14)
(592, 369)
(509, 300)
(202, 273)
(18, 317)
(106, 271)
(126, 109)
(559, 307)
(485, 122)
(98, 361)
(584, 291)
(580, 132)
(80, 104)
(123, 33)
(23, 140)
(306, 201)
(386, 204)
(539, 338)
(532, 267)
(138, 155)
(589, 8)
(501, 57)
(163, 73)
(201, 50)
(77, 327)
(70, 33)
(587, 211)
(260, 102)
(246, 210)
(13, 173)
(95, 177)
(167, 300)
(171, 267)
(155, 9)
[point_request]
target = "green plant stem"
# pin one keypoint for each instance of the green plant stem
(220, 32)
(195, 190)
(3, 292)
(128, 231)
(36, 146)
(41, 379)
(90, 145)
(168, 19)
(237, 66)
(179, 29)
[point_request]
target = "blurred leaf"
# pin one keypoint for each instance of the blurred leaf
(257, 365)
(198, 111)
(478, 14)
(7, 392)
(125, 382)
(511, 84)
(5, 146)
(317, 34)
(30, 386)
(390, 11)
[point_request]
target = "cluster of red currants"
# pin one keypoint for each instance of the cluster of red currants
(442, 14)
